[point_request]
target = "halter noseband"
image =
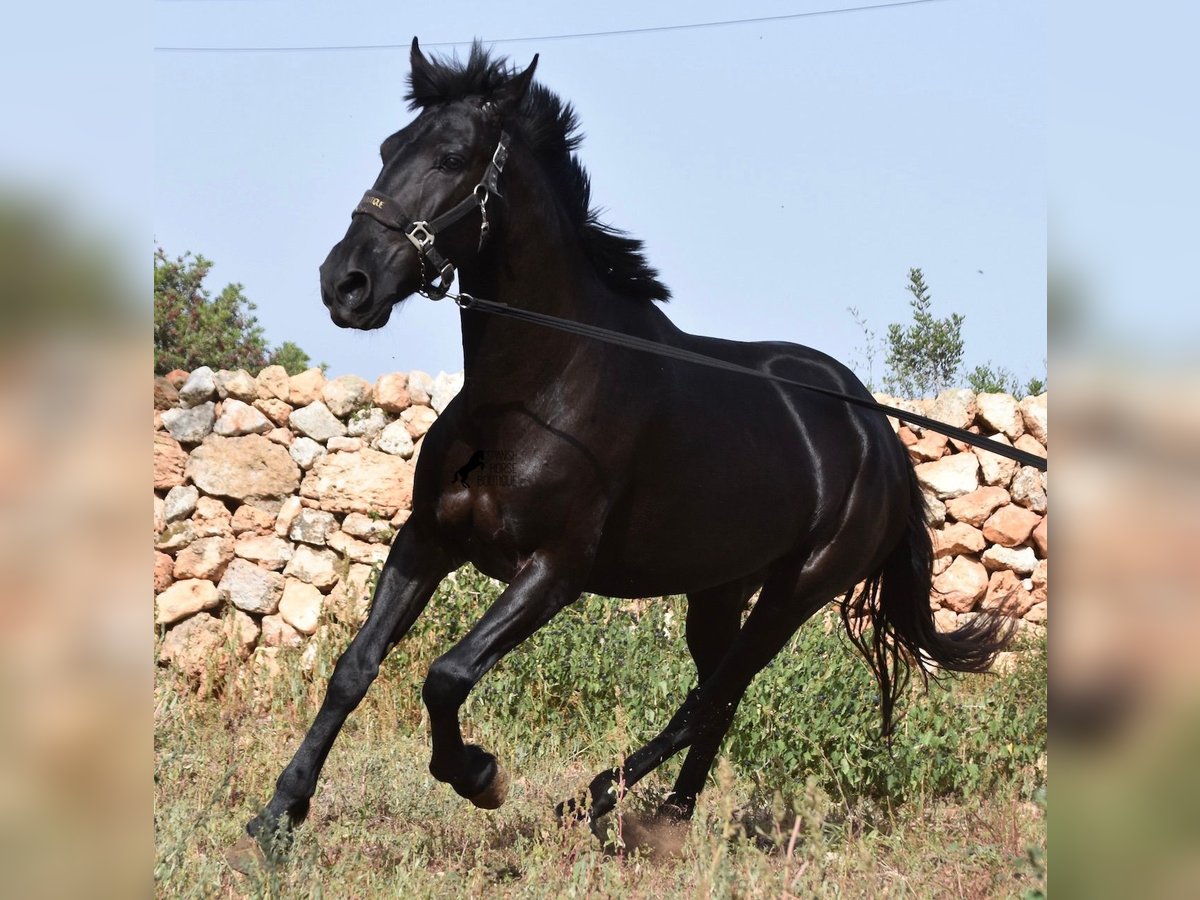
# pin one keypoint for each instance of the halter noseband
(387, 212)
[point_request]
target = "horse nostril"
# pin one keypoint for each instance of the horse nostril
(354, 289)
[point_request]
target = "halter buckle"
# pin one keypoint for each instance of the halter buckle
(420, 235)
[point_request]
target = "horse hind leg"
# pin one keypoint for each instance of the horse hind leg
(714, 618)
(788, 599)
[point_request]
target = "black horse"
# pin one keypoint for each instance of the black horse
(631, 475)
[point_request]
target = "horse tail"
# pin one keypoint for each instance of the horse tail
(895, 603)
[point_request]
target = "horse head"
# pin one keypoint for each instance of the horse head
(427, 212)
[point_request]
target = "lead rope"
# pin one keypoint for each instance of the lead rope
(631, 342)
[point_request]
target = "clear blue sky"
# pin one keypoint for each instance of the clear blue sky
(778, 172)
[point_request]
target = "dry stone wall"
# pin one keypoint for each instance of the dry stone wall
(277, 497)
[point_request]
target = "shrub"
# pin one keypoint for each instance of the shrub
(607, 667)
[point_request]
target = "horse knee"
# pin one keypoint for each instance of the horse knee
(446, 686)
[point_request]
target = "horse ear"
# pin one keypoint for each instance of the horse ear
(417, 60)
(509, 97)
(420, 77)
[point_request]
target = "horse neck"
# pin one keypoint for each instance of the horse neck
(537, 264)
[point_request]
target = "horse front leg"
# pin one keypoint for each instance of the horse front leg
(543, 586)
(415, 566)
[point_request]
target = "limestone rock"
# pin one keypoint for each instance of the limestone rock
(945, 620)
(180, 503)
(268, 550)
(957, 539)
(396, 440)
(165, 395)
(1030, 444)
(306, 387)
(317, 422)
(312, 526)
(1006, 594)
(164, 571)
(930, 447)
(345, 394)
(250, 587)
(420, 387)
(305, 451)
(240, 385)
(344, 444)
(1021, 561)
(175, 536)
(1005, 662)
(367, 423)
(1037, 613)
(316, 567)
(274, 409)
(961, 585)
(160, 520)
(936, 510)
(906, 435)
(252, 519)
(1041, 538)
(240, 467)
(418, 419)
(300, 605)
(184, 598)
(211, 518)
(368, 528)
(273, 384)
(1010, 526)
(288, 510)
(956, 407)
(200, 386)
(975, 508)
(190, 425)
(368, 481)
(276, 632)
(950, 476)
(391, 392)
(1035, 414)
(996, 470)
(999, 412)
(358, 551)
(1027, 489)
(445, 389)
(238, 418)
(205, 557)
(196, 648)
(177, 378)
(1039, 581)
(242, 632)
(169, 461)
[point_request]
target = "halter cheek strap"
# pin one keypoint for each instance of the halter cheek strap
(387, 212)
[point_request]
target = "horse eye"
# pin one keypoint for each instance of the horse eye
(453, 163)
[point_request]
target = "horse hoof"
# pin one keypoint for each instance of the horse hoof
(494, 795)
(246, 856)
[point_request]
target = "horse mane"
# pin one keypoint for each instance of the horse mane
(550, 127)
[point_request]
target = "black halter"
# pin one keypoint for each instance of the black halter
(387, 212)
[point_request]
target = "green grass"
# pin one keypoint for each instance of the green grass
(807, 800)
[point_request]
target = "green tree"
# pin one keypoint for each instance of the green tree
(923, 357)
(192, 328)
(992, 379)
(291, 357)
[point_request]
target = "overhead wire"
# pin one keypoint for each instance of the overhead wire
(615, 32)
